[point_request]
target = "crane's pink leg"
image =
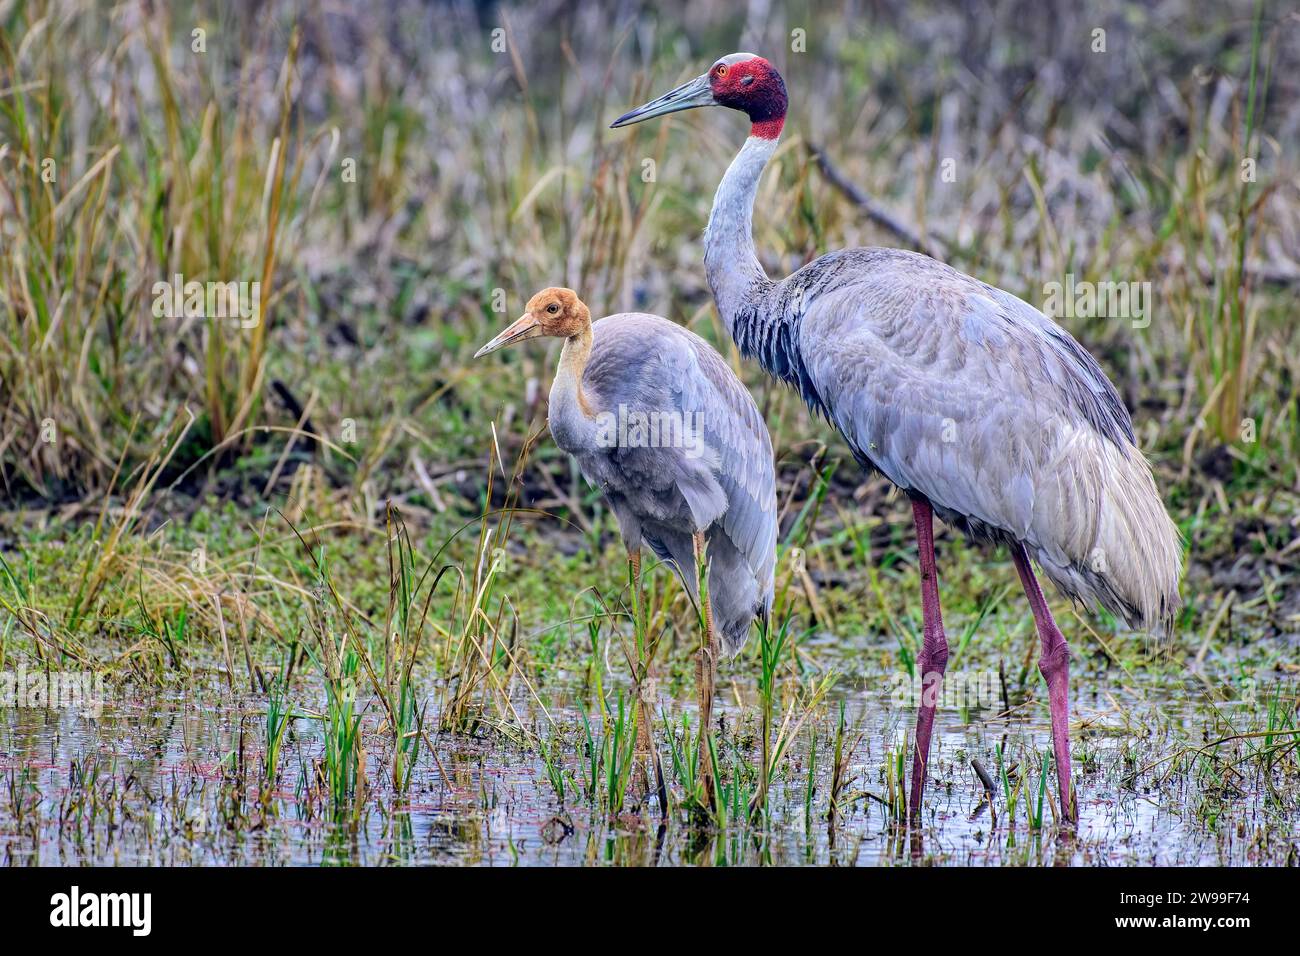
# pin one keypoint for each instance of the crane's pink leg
(706, 669)
(934, 649)
(1054, 662)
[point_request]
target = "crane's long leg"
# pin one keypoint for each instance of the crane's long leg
(1054, 663)
(642, 725)
(706, 670)
(647, 755)
(934, 649)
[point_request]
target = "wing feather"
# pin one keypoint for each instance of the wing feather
(965, 394)
(648, 363)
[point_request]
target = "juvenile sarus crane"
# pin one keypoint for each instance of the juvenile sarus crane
(970, 400)
(661, 425)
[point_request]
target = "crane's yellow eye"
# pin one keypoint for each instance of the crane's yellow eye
(552, 308)
(720, 69)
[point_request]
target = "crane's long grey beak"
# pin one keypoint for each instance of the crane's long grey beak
(686, 97)
(524, 327)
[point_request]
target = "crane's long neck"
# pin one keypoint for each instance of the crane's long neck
(572, 418)
(735, 274)
(749, 302)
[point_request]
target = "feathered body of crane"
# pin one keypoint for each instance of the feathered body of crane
(970, 400)
(657, 421)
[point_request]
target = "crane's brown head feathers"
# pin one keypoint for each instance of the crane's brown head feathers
(559, 312)
(554, 312)
(749, 83)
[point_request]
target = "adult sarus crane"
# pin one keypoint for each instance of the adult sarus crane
(659, 423)
(970, 400)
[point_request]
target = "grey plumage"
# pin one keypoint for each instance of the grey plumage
(965, 394)
(961, 393)
(643, 365)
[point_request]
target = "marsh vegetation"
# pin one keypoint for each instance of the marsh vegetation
(349, 604)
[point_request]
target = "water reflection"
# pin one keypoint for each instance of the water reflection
(176, 779)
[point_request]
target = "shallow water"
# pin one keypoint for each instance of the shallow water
(158, 778)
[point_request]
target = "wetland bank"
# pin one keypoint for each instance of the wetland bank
(331, 595)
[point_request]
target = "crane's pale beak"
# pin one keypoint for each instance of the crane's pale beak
(686, 97)
(524, 327)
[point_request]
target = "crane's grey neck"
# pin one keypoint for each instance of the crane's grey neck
(735, 274)
(758, 312)
(571, 416)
